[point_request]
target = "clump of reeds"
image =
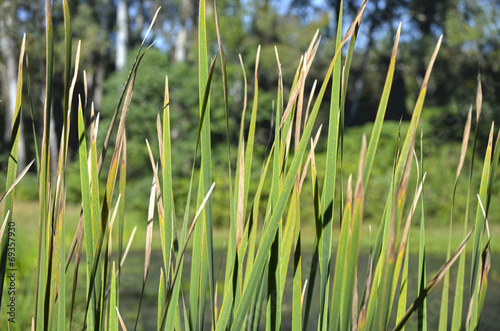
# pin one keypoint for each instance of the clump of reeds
(258, 249)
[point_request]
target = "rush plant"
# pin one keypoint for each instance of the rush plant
(259, 244)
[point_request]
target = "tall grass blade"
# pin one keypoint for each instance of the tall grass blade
(328, 193)
(113, 317)
(202, 271)
(40, 313)
(422, 262)
(168, 226)
(377, 125)
(161, 298)
(443, 314)
(478, 241)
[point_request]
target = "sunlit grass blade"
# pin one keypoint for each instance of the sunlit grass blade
(377, 125)
(479, 222)
(226, 107)
(122, 325)
(121, 213)
(493, 171)
(328, 193)
(485, 267)
(16, 181)
(273, 312)
(113, 318)
(422, 261)
(167, 219)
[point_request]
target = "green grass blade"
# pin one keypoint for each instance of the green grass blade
(479, 223)
(477, 246)
(11, 179)
(121, 214)
(328, 193)
(341, 262)
(113, 318)
(377, 125)
(403, 291)
(202, 272)
(422, 262)
(86, 203)
(167, 229)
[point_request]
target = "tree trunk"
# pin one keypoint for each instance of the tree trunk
(182, 36)
(121, 34)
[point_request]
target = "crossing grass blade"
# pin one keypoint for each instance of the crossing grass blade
(430, 286)
(16, 181)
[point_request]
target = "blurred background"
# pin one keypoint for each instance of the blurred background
(111, 31)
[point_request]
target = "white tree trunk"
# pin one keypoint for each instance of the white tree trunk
(180, 44)
(121, 34)
(181, 39)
